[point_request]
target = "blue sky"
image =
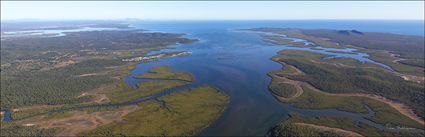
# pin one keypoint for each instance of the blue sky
(210, 10)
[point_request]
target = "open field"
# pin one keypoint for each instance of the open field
(72, 122)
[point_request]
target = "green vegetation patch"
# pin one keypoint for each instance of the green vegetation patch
(125, 93)
(384, 113)
(56, 70)
(315, 100)
(170, 79)
(336, 79)
(165, 72)
(278, 40)
(287, 129)
(414, 62)
(298, 33)
(54, 87)
(335, 122)
(282, 89)
(16, 131)
(179, 114)
(411, 67)
(19, 114)
(341, 52)
(405, 45)
(60, 115)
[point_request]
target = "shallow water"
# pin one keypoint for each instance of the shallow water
(237, 63)
(6, 116)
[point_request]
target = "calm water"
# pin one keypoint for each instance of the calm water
(237, 63)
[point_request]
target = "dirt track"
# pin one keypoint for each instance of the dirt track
(341, 132)
(400, 107)
(298, 90)
(77, 121)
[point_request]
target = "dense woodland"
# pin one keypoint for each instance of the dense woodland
(26, 131)
(292, 130)
(367, 80)
(414, 62)
(57, 86)
(26, 81)
(288, 128)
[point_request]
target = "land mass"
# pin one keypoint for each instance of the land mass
(70, 79)
(308, 80)
(180, 113)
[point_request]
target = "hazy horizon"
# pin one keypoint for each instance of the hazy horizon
(212, 10)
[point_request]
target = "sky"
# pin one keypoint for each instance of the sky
(213, 10)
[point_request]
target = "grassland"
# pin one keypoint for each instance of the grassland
(179, 114)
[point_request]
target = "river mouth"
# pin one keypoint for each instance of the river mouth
(237, 63)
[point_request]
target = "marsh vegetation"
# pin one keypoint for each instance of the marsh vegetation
(346, 85)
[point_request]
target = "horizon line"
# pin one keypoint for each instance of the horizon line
(136, 19)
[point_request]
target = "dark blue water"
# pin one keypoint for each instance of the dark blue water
(237, 62)
(6, 116)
